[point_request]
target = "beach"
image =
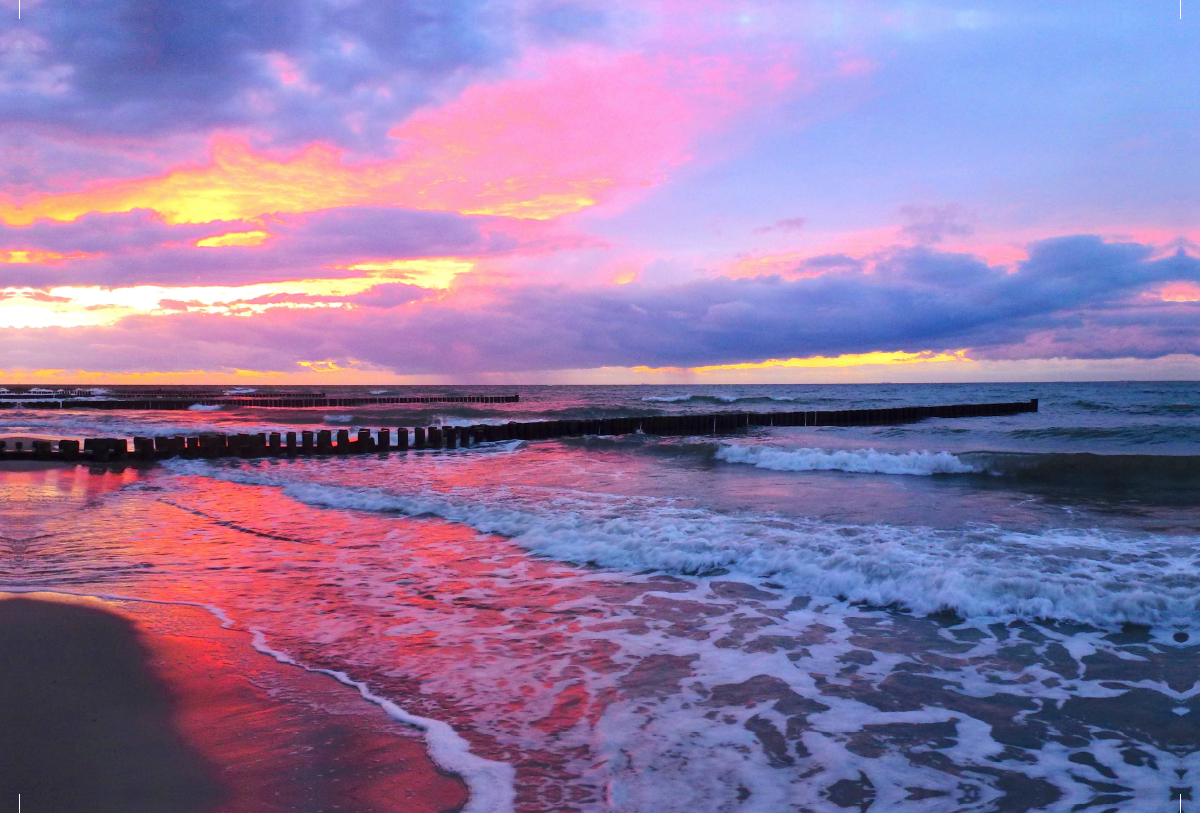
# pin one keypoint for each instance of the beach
(942, 616)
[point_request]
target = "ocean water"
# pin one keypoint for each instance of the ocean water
(992, 614)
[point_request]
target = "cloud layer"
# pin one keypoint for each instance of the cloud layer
(1074, 297)
(524, 185)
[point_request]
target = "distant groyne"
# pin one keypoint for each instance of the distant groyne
(340, 442)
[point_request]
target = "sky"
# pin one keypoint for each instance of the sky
(545, 191)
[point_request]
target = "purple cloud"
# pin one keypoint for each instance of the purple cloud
(1076, 296)
(929, 225)
(787, 225)
(138, 248)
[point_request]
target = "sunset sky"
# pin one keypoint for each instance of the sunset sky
(620, 191)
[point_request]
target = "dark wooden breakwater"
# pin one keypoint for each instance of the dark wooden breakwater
(328, 442)
(281, 402)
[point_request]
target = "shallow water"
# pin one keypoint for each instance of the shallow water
(952, 615)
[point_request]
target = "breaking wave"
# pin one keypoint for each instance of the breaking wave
(980, 572)
(862, 461)
(717, 399)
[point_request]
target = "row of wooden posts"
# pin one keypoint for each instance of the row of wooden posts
(326, 442)
(259, 403)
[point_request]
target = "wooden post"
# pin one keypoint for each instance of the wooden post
(451, 433)
(365, 444)
(419, 437)
(99, 448)
(212, 445)
(291, 444)
(67, 449)
(324, 441)
(306, 442)
(143, 448)
(435, 437)
(385, 440)
(276, 444)
(343, 441)
(402, 438)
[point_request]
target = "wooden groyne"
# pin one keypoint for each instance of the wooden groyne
(328, 442)
(280, 402)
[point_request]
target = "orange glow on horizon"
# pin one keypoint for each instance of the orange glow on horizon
(813, 362)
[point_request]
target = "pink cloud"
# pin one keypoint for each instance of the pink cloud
(565, 132)
(1180, 292)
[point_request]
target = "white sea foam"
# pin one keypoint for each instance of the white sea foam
(491, 784)
(724, 399)
(863, 461)
(204, 407)
(338, 418)
(983, 572)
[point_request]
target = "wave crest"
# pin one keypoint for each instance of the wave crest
(860, 461)
(717, 399)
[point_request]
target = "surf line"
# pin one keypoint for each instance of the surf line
(490, 784)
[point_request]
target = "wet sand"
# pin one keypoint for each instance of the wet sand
(155, 708)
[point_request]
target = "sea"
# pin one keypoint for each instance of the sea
(983, 614)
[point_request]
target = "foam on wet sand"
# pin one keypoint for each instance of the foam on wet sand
(131, 707)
